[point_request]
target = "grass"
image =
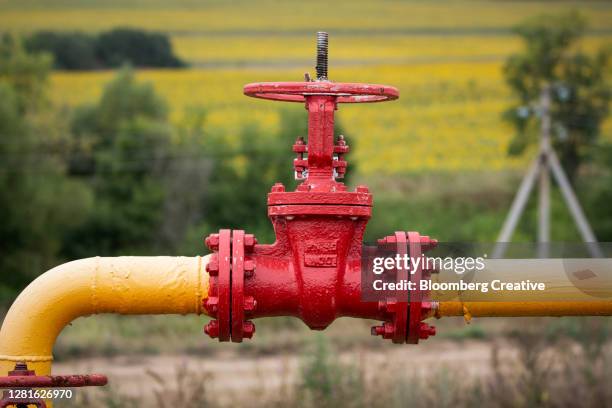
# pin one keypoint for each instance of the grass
(529, 369)
(111, 336)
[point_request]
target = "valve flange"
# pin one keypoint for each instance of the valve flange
(227, 302)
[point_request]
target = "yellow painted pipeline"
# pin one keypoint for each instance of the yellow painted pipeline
(514, 309)
(574, 287)
(122, 285)
(178, 285)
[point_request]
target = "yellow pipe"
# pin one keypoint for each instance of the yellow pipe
(564, 280)
(508, 309)
(573, 287)
(123, 285)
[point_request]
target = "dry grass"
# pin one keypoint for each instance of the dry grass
(543, 364)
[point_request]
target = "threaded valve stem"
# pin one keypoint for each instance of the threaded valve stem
(322, 52)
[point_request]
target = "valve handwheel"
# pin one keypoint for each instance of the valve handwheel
(342, 92)
(321, 96)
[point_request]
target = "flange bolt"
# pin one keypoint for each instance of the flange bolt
(426, 330)
(278, 188)
(248, 329)
(249, 242)
(428, 243)
(212, 329)
(211, 304)
(212, 242)
(212, 267)
(249, 268)
(249, 303)
(387, 330)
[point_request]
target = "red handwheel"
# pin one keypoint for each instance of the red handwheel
(343, 92)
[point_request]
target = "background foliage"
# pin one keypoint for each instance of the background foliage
(579, 89)
(110, 49)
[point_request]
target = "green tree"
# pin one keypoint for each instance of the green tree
(243, 172)
(27, 73)
(580, 91)
(37, 201)
(123, 148)
(79, 51)
(598, 193)
(137, 47)
(71, 50)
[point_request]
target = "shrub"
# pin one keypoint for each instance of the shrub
(71, 50)
(79, 51)
(137, 47)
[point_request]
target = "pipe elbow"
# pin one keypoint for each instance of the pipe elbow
(122, 285)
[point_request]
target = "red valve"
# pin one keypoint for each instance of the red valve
(23, 379)
(313, 269)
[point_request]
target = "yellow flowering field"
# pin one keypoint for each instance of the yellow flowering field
(346, 49)
(444, 56)
(448, 115)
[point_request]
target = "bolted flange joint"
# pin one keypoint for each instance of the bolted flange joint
(229, 265)
(404, 316)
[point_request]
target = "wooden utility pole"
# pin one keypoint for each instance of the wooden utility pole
(545, 162)
(544, 197)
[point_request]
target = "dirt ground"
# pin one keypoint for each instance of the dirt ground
(231, 374)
